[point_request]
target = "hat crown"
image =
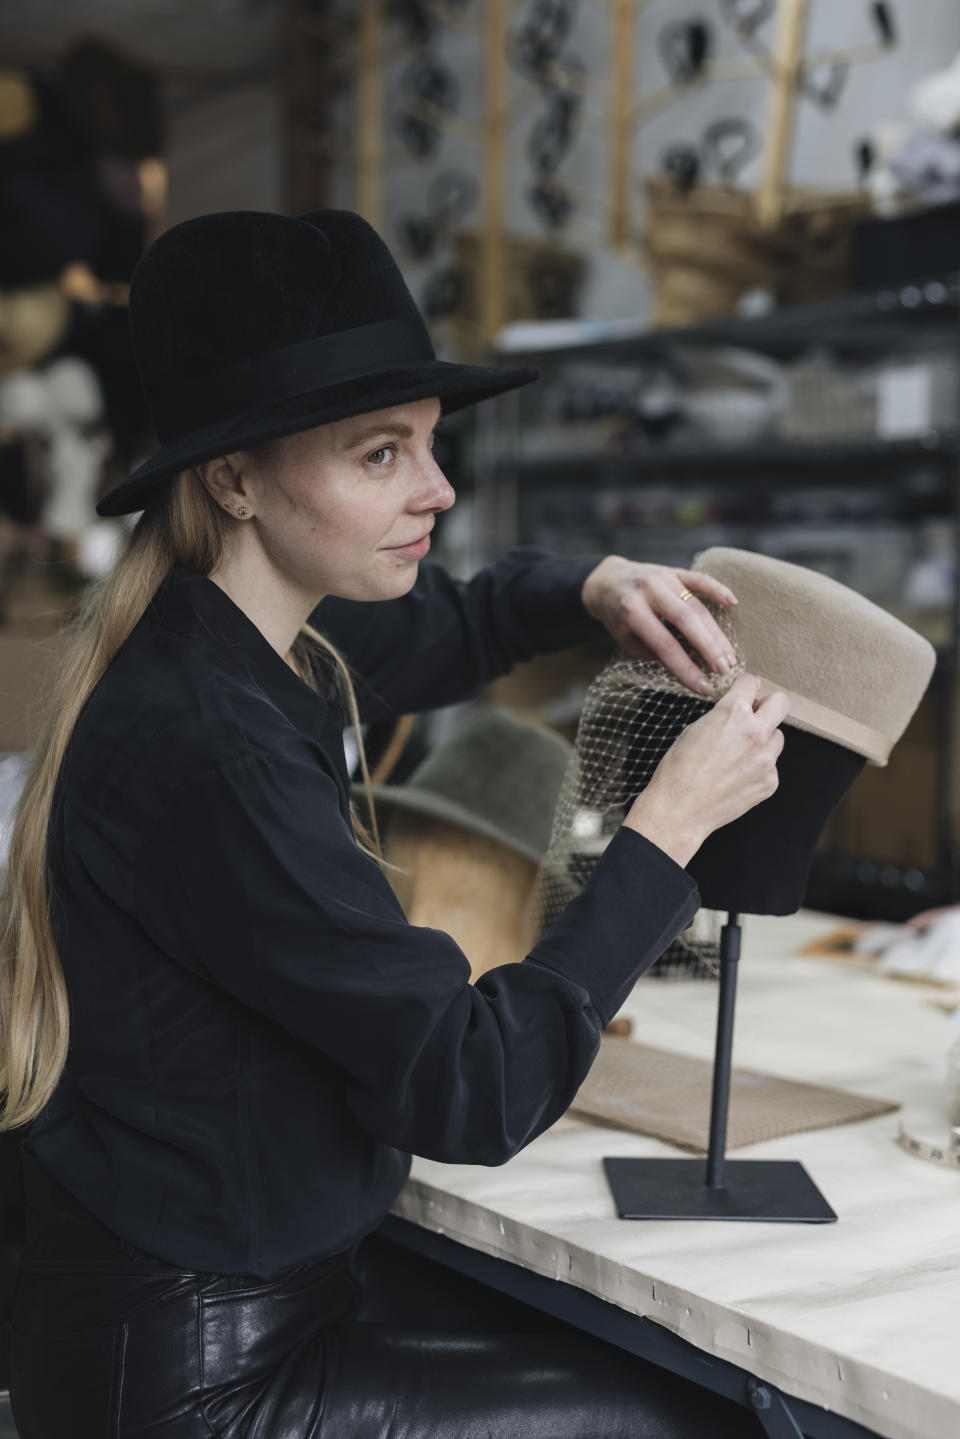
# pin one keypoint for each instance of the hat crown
(496, 775)
(825, 642)
(222, 289)
(248, 326)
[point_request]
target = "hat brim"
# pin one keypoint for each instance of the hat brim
(456, 386)
(427, 802)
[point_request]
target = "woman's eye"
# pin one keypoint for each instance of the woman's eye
(386, 449)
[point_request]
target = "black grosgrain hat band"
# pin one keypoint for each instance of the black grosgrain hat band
(288, 372)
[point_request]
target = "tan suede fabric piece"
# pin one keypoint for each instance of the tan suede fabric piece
(667, 1095)
(826, 643)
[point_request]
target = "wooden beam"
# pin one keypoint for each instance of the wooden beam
(622, 60)
(493, 248)
(787, 65)
(370, 61)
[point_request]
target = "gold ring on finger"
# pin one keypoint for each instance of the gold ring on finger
(687, 595)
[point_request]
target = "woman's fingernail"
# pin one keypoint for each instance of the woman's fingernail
(722, 666)
(732, 597)
(706, 686)
(731, 659)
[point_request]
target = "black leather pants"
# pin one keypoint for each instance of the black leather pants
(110, 1343)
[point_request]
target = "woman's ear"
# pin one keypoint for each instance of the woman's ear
(223, 477)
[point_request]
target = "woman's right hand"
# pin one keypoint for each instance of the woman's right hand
(718, 768)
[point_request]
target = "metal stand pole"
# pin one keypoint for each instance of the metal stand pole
(730, 937)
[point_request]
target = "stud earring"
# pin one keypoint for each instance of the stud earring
(243, 511)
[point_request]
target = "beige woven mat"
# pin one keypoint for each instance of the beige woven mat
(667, 1095)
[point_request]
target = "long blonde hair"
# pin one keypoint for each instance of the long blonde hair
(182, 526)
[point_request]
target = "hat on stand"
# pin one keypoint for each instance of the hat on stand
(249, 325)
(854, 675)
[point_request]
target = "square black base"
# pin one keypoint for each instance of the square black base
(774, 1189)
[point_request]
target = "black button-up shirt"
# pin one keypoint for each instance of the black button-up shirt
(259, 1039)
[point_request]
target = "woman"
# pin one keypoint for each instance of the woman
(257, 1039)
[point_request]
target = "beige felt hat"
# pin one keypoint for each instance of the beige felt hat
(854, 673)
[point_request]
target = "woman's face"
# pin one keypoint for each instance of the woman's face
(349, 507)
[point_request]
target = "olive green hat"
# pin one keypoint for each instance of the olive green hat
(496, 776)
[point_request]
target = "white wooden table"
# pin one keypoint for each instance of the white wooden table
(861, 1317)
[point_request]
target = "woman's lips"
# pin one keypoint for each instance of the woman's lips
(416, 551)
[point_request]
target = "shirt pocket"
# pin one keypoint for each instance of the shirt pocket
(67, 1383)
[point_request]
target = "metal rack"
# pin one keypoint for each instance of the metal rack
(905, 479)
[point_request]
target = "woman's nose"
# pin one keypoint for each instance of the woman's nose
(437, 491)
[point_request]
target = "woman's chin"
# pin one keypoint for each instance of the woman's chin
(392, 582)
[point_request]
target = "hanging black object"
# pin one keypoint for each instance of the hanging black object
(419, 235)
(427, 79)
(863, 155)
(444, 292)
(418, 136)
(682, 164)
(554, 133)
(825, 85)
(542, 35)
(883, 20)
(684, 47)
(746, 16)
(728, 145)
(415, 19)
(551, 204)
(428, 82)
(451, 196)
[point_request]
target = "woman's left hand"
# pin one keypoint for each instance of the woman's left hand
(634, 600)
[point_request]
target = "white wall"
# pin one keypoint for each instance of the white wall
(929, 37)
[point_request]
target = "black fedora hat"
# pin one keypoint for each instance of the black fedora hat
(248, 325)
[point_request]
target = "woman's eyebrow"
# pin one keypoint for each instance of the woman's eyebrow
(397, 428)
(401, 431)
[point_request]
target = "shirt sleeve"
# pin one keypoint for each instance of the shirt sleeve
(447, 638)
(253, 880)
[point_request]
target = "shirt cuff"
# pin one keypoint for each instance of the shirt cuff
(634, 904)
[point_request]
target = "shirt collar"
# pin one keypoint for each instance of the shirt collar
(191, 604)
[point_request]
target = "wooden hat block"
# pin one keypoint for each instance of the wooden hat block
(473, 888)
